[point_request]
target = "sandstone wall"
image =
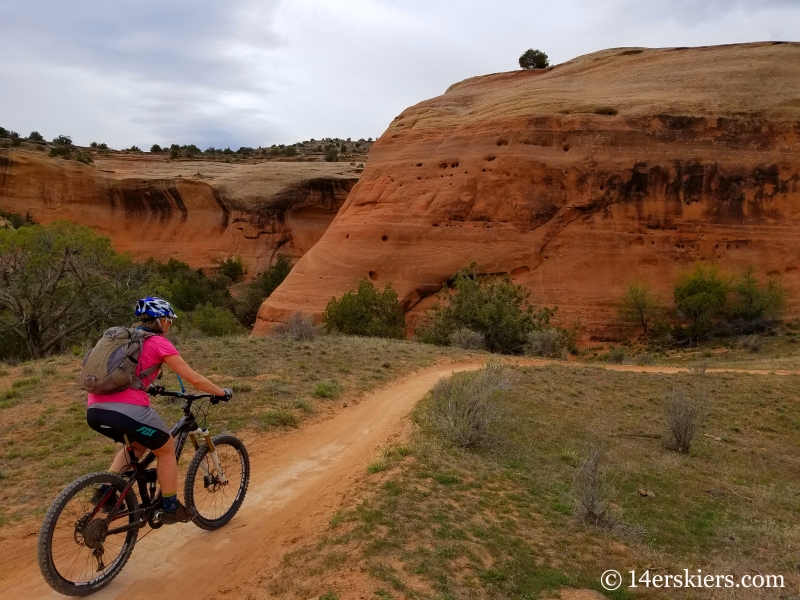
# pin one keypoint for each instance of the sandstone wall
(620, 165)
(149, 207)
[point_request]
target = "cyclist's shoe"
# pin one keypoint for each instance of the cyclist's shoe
(184, 514)
(98, 496)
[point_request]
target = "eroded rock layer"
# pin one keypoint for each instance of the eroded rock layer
(620, 165)
(150, 206)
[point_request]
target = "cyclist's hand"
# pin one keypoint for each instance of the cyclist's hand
(155, 390)
(228, 393)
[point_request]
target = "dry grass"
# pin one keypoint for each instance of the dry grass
(276, 382)
(682, 414)
(501, 522)
(592, 487)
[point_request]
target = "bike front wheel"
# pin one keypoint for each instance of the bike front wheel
(217, 496)
(77, 555)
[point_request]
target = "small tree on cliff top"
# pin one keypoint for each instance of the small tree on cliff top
(534, 59)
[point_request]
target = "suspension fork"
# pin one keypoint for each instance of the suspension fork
(212, 452)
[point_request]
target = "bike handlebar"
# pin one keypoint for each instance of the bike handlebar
(156, 390)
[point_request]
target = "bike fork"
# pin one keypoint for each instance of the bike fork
(212, 452)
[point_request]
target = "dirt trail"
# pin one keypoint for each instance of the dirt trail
(296, 483)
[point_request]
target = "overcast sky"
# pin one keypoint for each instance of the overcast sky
(258, 72)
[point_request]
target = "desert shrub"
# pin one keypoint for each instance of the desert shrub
(62, 140)
(750, 342)
(331, 155)
(259, 289)
(16, 220)
(698, 368)
(35, 136)
(298, 327)
(155, 148)
(60, 281)
(211, 320)
(246, 151)
(102, 146)
(700, 297)
(191, 150)
(84, 157)
(638, 306)
(549, 342)
(3, 132)
(187, 288)
(616, 355)
(464, 406)
(233, 269)
(227, 151)
(62, 151)
(591, 488)
(174, 153)
(534, 59)
(467, 339)
(498, 309)
(16, 140)
(135, 149)
(327, 389)
(682, 415)
(367, 311)
(291, 151)
(644, 359)
(755, 305)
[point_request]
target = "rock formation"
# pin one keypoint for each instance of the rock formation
(199, 212)
(619, 165)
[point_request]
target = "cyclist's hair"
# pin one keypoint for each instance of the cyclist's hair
(150, 323)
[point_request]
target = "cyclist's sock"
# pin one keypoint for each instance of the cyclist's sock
(170, 502)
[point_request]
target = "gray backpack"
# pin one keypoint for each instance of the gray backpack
(111, 365)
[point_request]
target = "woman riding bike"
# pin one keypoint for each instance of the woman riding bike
(128, 413)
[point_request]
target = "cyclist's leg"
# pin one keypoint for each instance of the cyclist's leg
(167, 468)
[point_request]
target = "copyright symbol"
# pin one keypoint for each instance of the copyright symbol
(611, 580)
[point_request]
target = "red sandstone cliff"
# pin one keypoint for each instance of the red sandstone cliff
(199, 212)
(623, 164)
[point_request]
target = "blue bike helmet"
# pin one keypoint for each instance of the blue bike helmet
(154, 308)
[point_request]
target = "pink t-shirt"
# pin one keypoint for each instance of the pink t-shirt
(154, 349)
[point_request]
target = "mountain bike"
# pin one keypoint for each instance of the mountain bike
(85, 542)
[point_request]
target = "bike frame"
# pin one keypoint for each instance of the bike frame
(138, 471)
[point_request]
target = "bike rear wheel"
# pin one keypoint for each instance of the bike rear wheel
(216, 501)
(76, 557)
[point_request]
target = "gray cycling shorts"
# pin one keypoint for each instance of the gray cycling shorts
(140, 423)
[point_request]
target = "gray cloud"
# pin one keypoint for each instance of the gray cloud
(255, 72)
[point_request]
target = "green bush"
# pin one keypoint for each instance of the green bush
(327, 389)
(212, 320)
(638, 306)
(155, 148)
(250, 300)
(233, 269)
(332, 155)
(35, 136)
(549, 343)
(366, 311)
(700, 298)
(187, 288)
(173, 153)
(533, 59)
(498, 309)
(84, 157)
(291, 150)
(102, 146)
(752, 303)
(16, 220)
(62, 140)
(135, 149)
(191, 150)
(62, 151)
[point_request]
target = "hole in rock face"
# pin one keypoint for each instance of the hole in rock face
(608, 112)
(454, 165)
(347, 237)
(502, 142)
(419, 164)
(443, 165)
(483, 170)
(520, 271)
(435, 224)
(373, 275)
(384, 238)
(566, 147)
